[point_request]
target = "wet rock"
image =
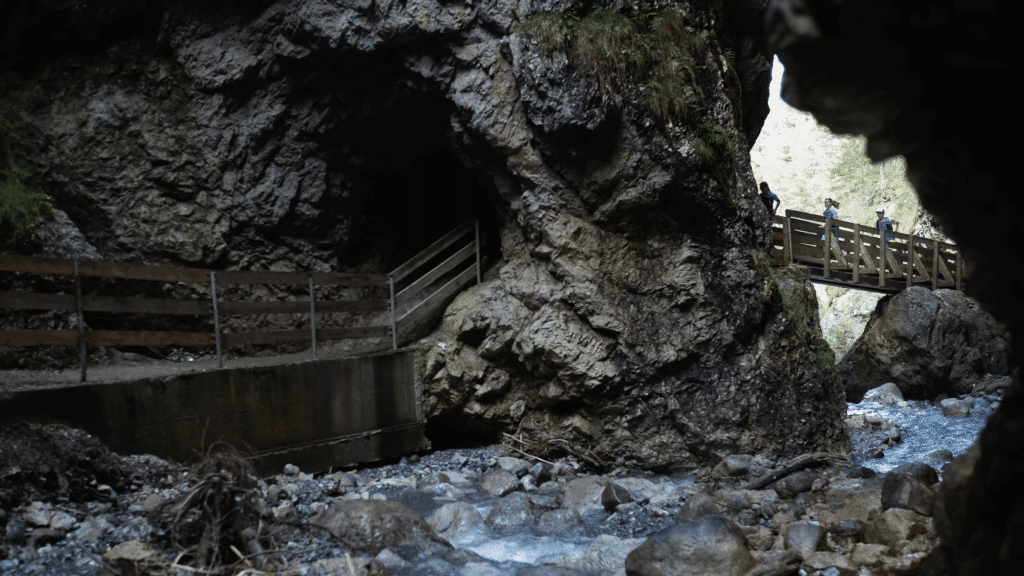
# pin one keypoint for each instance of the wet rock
(941, 455)
(39, 514)
(291, 470)
(955, 408)
(732, 466)
(500, 482)
(455, 519)
(613, 495)
(848, 528)
(512, 512)
(541, 471)
(905, 491)
(705, 546)
(895, 525)
(606, 554)
(62, 521)
(373, 525)
(887, 393)
(547, 499)
(923, 472)
(584, 494)
(696, 506)
(43, 536)
(919, 338)
(558, 521)
(516, 466)
(859, 471)
(794, 483)
(804, 538)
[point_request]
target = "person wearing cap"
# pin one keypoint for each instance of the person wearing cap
(831, 212)
(884, 225)
(771, 201)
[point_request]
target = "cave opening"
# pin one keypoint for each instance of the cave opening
(405, 183)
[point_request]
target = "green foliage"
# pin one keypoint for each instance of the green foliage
(653, 48)
(22, 207)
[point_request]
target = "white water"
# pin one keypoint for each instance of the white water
(925, 430)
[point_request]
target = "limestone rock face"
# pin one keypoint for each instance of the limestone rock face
(869, 68)
(926, 342)
(632, 317)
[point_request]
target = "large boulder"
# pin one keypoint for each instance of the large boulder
(373, 525)
(926, 343)
(705, 546)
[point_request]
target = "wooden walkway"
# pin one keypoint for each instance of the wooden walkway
(856, 256)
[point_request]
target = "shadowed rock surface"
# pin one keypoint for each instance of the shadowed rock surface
(632, 318)
(870, 68)
(926, 343)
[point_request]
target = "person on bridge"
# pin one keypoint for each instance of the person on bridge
(885, 225)
(771, 201)
(831, 212)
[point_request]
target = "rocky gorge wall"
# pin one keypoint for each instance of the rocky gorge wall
(902, 77)
(632, 318)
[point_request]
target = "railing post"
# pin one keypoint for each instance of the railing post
(935, 264)
(960, 269)
(828, 248)
(81, 319)
(787, 242)
(216, 317)
(910, 260)
(856, 255)
(394, 329)
(883, 246)
(476, 225)
(312, 314)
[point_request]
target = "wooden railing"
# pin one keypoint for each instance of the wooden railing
(859, 256)
(418, 297)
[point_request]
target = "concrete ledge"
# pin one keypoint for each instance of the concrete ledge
(315, 414)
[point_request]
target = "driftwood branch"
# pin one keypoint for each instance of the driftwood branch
(802, 462)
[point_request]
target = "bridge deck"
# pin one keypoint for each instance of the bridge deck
(847, 254)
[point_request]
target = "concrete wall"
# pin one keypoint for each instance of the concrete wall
(314, 414)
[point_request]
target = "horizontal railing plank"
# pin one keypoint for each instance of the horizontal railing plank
(430, 304)
(10, 338)
(127, 271)
(352, 332)
(239, 308)
(349, 279)
(421, 258)
(29, 301)
(275, 337)
(126, 304)
(375, 305)
(440, 270)
(143, 338)
(36, 264)
(261, 277)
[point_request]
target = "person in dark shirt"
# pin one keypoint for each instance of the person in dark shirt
(884, 225)
(771, 201)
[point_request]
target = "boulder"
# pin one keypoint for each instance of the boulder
(500, 483)
(613, 495)
(887, 393)
(795, 483)
(558, 521)
(705, 546)
(894, 526)
(923, 472)
(696, 506)
(584, 494)
(373, 525)
(512, 512)
(955, 408)
(927, 343)
(904, 491)
(804, 538)
(733, 465)
(455, 519)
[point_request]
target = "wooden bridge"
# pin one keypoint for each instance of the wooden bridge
(857, 256)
